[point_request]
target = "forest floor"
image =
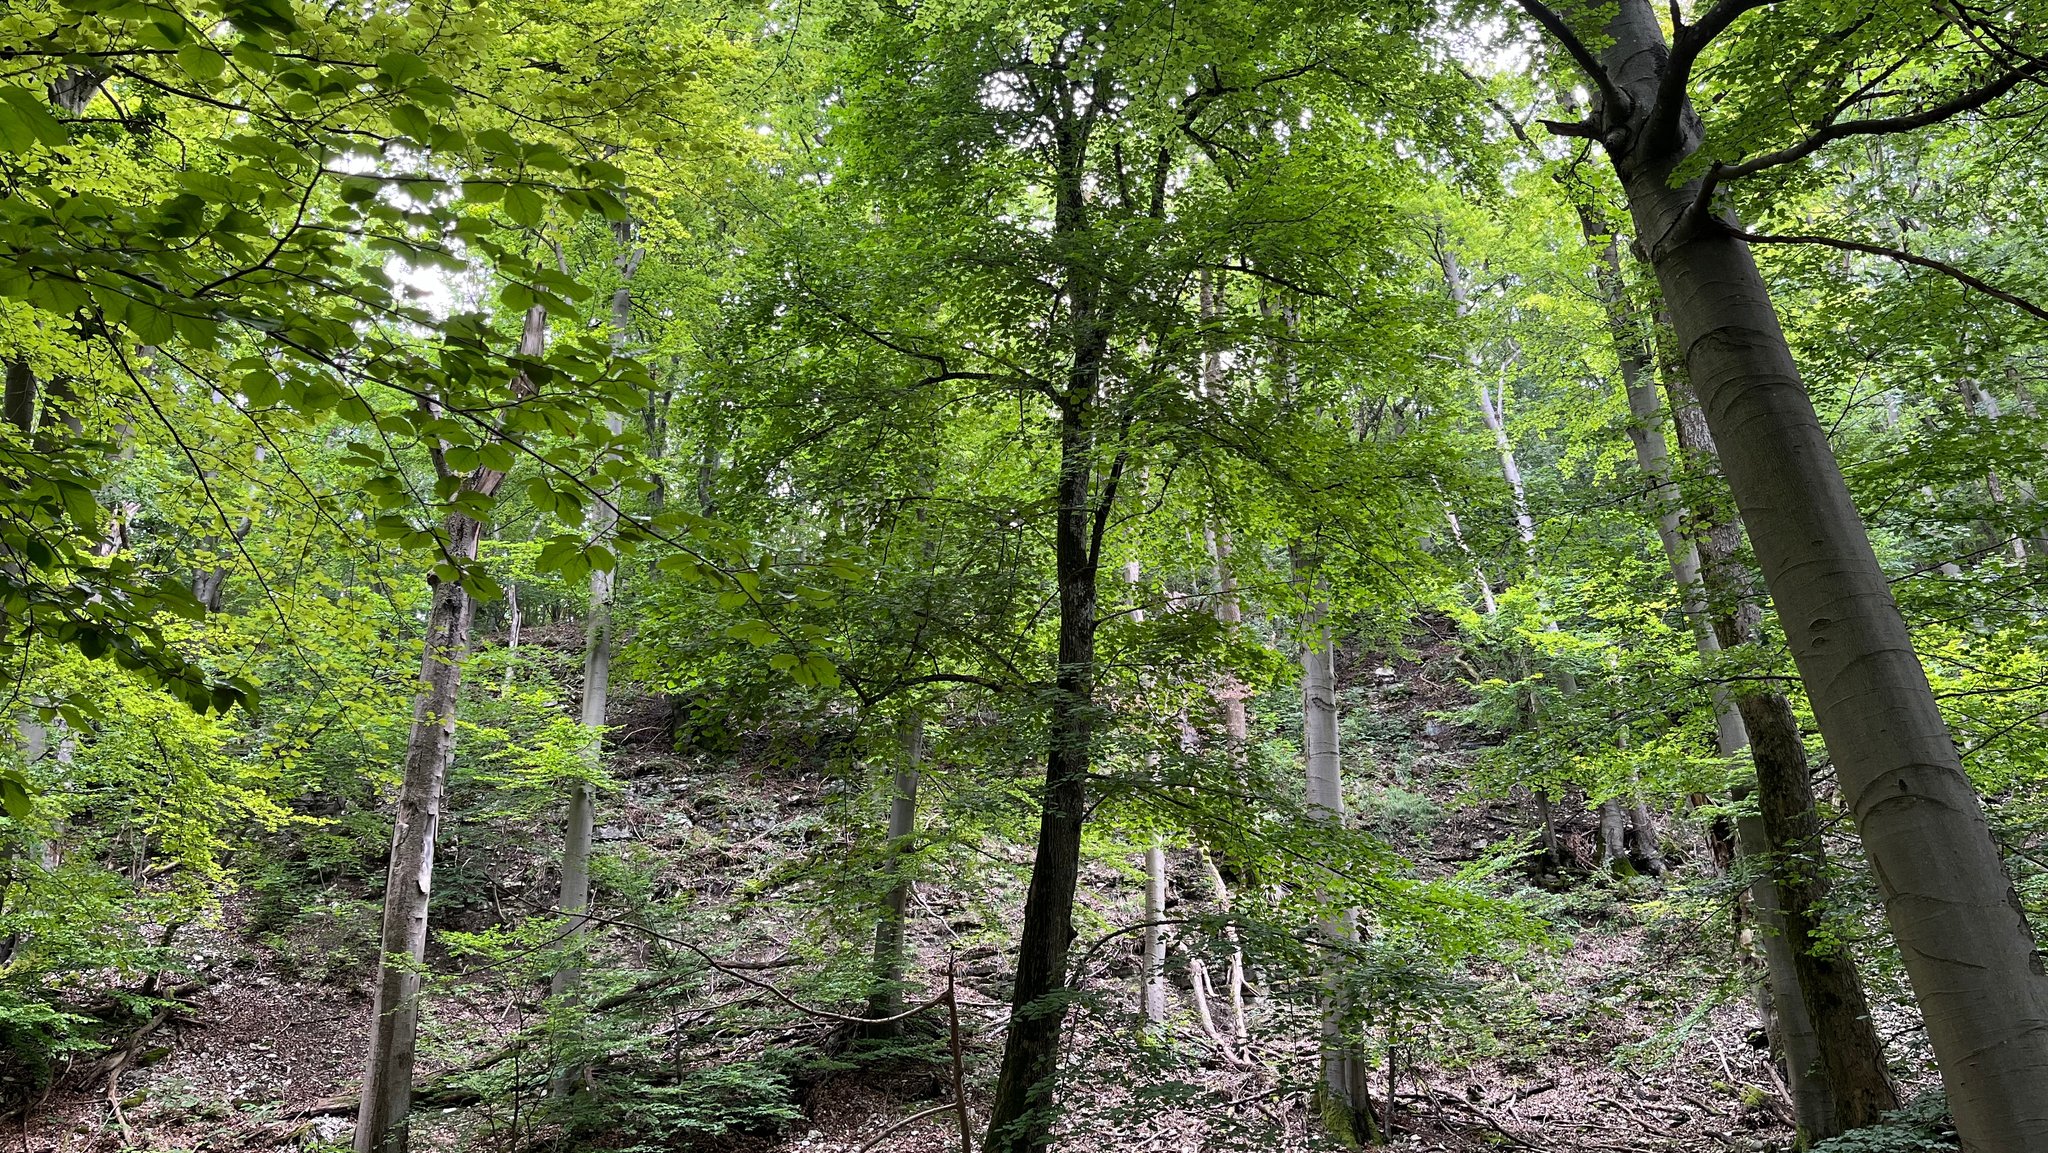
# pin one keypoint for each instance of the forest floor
(1629, 1034)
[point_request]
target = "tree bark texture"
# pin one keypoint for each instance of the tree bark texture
(1345, 1097)
(1152, 956)
(580, 823)
(1953, 911)
(887, 999)
(1021, 1116)
(1731, 619)
(381, 1125)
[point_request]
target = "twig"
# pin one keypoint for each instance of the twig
(920, 1115)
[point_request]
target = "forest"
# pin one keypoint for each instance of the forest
(1143, 576)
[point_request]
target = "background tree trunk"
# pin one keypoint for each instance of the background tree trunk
(1834, 1060)
(887, 999)
(1152, 996)
(1345, 1097)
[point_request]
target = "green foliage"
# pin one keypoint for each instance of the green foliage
(740, 1097)
(1921, 1127)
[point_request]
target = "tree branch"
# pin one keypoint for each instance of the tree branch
(1660, 132)
(1611, 98)
(1967, 101)
(1903, 257)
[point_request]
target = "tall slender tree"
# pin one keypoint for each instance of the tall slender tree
(382, 1124)
(1972, 958)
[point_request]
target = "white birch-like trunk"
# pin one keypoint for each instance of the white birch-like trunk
(513, 616)
(1152, 995)
(1230, 694)
(1346, 1096)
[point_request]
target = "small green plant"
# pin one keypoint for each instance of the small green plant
(1921, 1127)
(737, 1097)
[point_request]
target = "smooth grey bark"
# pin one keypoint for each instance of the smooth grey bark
(1781, 1001)
(1345, 1098)
(1152, 954)
(381, 1119)
(1613, 836)
(1835, 1063)
(1968, 950)
(887, 998)
(513, 619)
(381, 1123)
(1152, 994)
(1230, 694)
(580, 822)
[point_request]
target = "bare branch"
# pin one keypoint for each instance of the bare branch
(1967, 101)
(1903, 257)
(1583, 129)
(1660, 133)
(1611, 98)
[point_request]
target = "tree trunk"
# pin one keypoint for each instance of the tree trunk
(1953, 910)
(18, 407)
(1729, 619)
(1493, 407)
(381, 1121)
(887, 998)
(1344, 1097)
(1488, 604)
(512, 622)
(1152, 994)
(1852, 1060)
(1230, 693)
(1022, 1113)
(1021, 1116)
(1614, 837)
(580, 824)
(381, 1124)
(582, 811)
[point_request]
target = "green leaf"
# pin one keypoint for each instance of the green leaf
(201, 63)
(524, 205)
(14, 795)
(753, 632)
(817, 671)
(401, 68)
(25, 121)
(412, 120)
(79, 506)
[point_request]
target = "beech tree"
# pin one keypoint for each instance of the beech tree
(1947, 895)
